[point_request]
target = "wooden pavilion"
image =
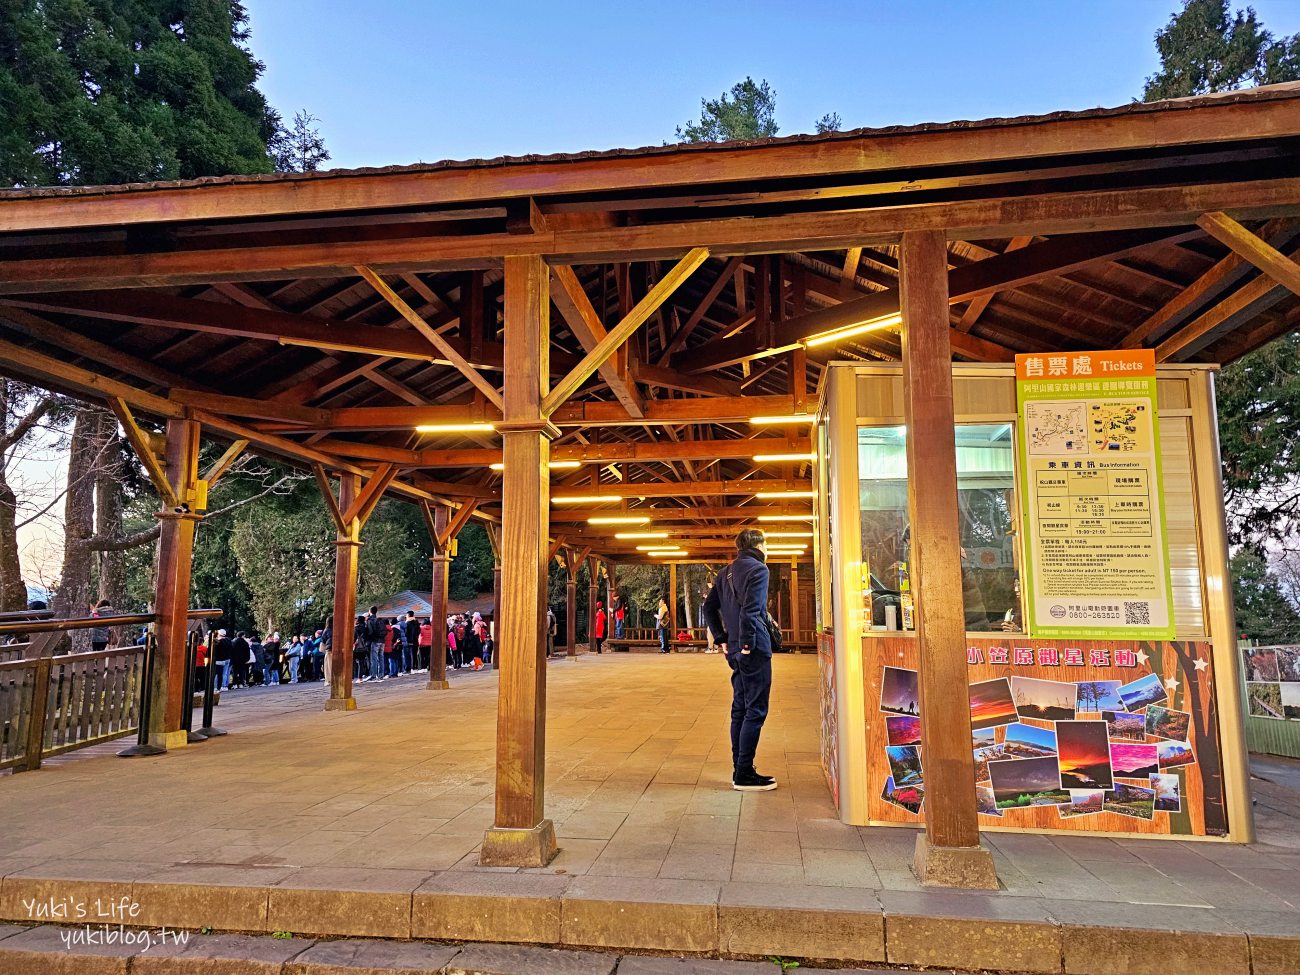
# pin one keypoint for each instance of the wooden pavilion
(607, 325)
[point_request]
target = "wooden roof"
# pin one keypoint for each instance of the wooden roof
(295, 311)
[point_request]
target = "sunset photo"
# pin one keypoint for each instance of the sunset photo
(1084, 754)
(1048, 700)
(903, 729)
(1134, 761)
(991, 703)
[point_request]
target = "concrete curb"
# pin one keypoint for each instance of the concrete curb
(934, 929)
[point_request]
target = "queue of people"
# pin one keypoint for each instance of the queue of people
(382, 648)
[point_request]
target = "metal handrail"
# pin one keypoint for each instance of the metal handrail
(94, 622)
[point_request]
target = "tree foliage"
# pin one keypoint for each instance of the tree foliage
(114, 91)
(747, 111)
(830, 122)
(1263, 611)
(1205, 48)
(300, 149)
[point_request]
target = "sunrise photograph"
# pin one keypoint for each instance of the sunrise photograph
(1084, 755)
(1047, 700)
(991, 703)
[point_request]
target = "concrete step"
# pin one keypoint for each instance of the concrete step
(51, 950)
(816, 925)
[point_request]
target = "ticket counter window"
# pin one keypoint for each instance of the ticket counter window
(986, 516)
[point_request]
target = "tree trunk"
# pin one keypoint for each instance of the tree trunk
(109, 502)
(686, 598)
(13, 593)
(72, 599)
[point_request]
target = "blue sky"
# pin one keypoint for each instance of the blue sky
(400, 82)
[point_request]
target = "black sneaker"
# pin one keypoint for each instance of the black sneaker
(747, 780)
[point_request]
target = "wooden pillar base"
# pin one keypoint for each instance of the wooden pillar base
(169, 739)
(436, 684)
(341, 704)
(965, 867)
(519, 847)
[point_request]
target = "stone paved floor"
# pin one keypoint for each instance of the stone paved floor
(638, 764)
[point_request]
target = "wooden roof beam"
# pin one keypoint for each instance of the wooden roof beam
(576, 308)
(621, 332)
(1043, 215)
(1241, 306)
(446, 349)
(1258, 252)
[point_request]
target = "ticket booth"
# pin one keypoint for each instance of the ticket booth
(1100, 650)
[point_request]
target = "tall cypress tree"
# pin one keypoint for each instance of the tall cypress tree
(113, 91)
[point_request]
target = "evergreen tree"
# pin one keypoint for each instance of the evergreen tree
(748, 111)
(300, 149)
(1263, 611)
(116, 91)
(1206, 48)
(830, 122)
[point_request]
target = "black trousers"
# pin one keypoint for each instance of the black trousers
(751, 685)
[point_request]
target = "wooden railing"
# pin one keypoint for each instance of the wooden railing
(50, 705)
(53, 704)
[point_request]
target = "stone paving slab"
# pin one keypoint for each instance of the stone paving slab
(223, 954)
(518, 959)
(371, 958)
(466, 906)
(44, 950)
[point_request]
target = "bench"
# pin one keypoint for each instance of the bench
(652, 646)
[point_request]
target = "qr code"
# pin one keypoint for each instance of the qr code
(1137, 614)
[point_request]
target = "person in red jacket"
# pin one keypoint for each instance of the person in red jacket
(598, 627)
(426, 645)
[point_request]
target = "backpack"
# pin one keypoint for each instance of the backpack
(375, 629)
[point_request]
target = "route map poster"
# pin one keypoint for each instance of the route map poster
(1097, 564)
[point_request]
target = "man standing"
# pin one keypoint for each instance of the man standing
(409, 652)
(375, 633)
(736, 614)
(619, 613)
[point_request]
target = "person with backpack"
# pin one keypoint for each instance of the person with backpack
(101, 635)
(375, 632)
(662, 621)
(256, 672)
(736, 614)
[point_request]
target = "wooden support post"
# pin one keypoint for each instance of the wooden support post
(949, 853)
(347, 545)
(571, 606)
(521, 836)
(672, 600)
(438, 600)
(494, 539)
(175, 555)
(794, 602)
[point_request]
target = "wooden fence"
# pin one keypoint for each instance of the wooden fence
(50, 705)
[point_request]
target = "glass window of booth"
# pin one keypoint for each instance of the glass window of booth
(986, 516)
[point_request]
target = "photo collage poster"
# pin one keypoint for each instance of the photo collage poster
(1272, 682)
(1101, 736)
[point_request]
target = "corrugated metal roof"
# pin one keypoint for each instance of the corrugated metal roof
(1264, 93)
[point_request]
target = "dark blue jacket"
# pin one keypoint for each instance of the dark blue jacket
(736, 607)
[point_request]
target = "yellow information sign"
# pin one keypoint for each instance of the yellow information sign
(1097, 564)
